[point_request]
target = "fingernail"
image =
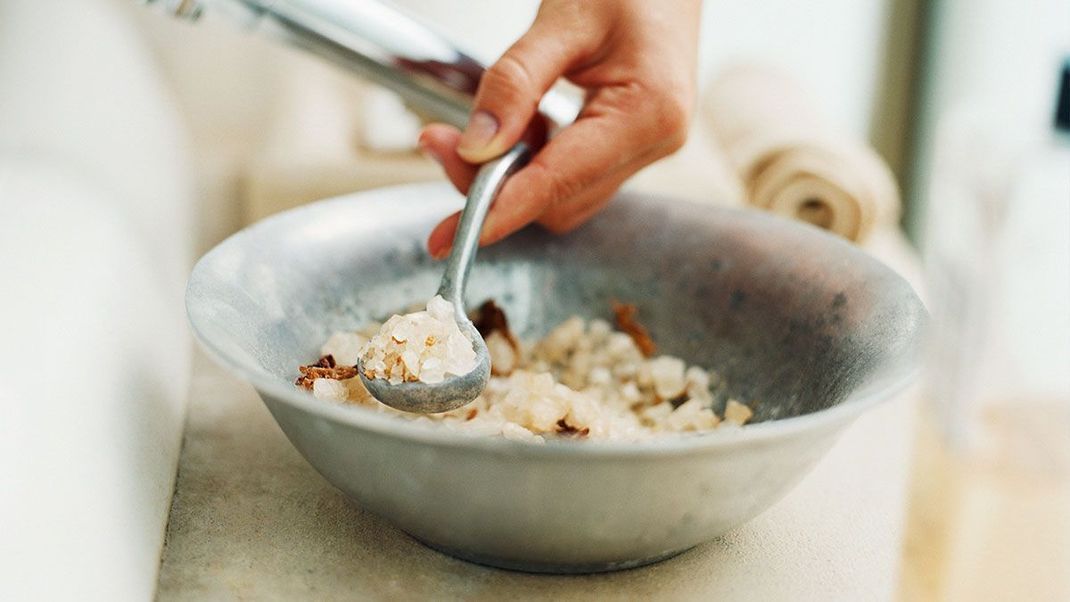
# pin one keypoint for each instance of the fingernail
(482, 127)
(427, 150)
(441, 253)
(485, 233)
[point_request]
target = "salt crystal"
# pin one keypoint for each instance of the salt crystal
(440, 309)
(620, 346)
(599, 329)
(657, 412)
(330, 389)
(698, 385)
(432, 364)
(737, 413)
(691, 416)
(600, 376)
(667, 373)
(503, 358)
(542, 383)
(561, 340)
(357, 392)
(698, 377)
(411, 359)
(592, 377)
(422, 346)
(519, 433)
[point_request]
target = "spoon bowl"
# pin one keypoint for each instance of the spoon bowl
(456, 390)
(450, 394)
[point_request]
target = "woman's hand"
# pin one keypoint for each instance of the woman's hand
(635, 58)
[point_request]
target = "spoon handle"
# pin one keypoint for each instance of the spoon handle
(488, 182)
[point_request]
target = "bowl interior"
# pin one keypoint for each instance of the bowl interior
(794, 320)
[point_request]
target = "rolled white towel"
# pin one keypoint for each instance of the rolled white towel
(790, 161)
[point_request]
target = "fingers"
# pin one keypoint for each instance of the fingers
(570, 213)
(440, 142)
(621, 130)
(567, 216)
(441, 240)
(511, 88)
(586, 160)
(558, 220)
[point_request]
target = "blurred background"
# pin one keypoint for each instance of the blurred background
(131, 142)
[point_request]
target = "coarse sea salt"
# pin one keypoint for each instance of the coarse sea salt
(582, 380)
(425, 346)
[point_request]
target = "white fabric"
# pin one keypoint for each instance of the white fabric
(79, 88)
(791, 160)
(94, 367)
(94, 249)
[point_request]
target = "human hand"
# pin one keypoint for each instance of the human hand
(635, 59)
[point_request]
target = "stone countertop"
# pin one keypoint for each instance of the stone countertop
(252, 520)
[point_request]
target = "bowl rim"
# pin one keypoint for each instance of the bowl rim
(834, 417)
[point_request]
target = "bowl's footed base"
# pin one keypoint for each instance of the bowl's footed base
(549, 567)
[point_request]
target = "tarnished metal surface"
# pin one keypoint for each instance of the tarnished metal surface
(801, 324)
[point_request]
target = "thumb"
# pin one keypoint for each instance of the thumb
(510, 90)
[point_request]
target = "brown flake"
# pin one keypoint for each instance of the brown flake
(627, 322)
(567, 430)
(324, 367)
(678, 401)
(490, 319)
(472, 414)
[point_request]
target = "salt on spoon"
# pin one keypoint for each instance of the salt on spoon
(449, 390)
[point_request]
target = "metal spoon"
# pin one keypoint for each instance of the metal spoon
(456, 391)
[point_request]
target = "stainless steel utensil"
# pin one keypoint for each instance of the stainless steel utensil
(377, 41)
(456, 391)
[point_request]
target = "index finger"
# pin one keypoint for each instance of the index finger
(598, 146)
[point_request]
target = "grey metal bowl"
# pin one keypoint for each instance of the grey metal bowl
(799, 321)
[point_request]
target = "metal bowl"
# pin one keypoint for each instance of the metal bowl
(803, 324)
